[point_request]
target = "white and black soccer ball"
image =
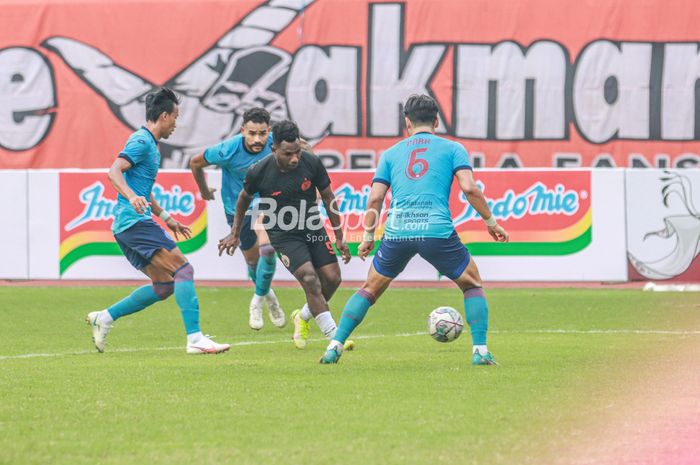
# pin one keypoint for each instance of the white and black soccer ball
(445, 324)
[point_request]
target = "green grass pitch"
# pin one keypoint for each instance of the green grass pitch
(399, 398)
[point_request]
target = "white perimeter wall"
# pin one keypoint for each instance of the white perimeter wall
(29, 239)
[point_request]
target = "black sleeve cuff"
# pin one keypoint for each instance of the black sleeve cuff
(462, 167)
(382, 181)
(127, 158)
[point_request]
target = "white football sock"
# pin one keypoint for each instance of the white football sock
(271, 294)
(326, 324)
(194, 337)
(305, 313)
(481, 349)
(105, 318)
(257, 299)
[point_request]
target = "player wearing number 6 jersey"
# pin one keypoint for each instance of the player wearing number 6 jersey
(420, 170)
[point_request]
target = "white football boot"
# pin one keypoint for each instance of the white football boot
(256, 320)
(274, 310)
(206, 346)
(99, 330)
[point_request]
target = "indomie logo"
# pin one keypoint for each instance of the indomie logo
(351, 200)
(537, 199)
(97, 207)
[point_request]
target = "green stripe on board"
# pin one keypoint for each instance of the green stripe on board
(517, 248)
(111, 248)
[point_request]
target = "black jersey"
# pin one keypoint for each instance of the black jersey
(293, 193)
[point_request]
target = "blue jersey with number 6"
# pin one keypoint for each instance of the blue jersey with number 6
(420, 170)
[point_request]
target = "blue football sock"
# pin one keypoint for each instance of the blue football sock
(476, 312)
(135, 302)
(186, 298)
(265, 270)
(354, 312)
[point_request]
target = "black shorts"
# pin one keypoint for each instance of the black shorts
(295, 249)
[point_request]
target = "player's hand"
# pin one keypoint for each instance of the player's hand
(342, 247)
(498, 233)
(229, 244)
(365, 249)
(139, 203)
(178, 228)
(208, 195)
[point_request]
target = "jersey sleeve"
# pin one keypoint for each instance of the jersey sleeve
(321, 179)
(135, 151)
(382, 173)
(460, 159)
(250, 182)
(220, 153)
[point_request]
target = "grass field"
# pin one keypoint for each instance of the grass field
(401, 398)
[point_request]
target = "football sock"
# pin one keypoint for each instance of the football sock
(476, 312)
(354, 312)
(481, 349)
(186, 297)
(105, 318)
(135, 302)
(251, 272)
(305, 313)
(326, 324)
(265, 269)
(257, 299)
(194, 337)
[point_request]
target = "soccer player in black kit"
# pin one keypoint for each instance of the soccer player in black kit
(287, 182)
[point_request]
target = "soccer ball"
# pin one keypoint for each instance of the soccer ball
(445, 324)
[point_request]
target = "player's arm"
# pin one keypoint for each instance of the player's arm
(116, 177)
(231, 241)
(197, 165)
(175, 226)
(329, 201)
(372, 216)
(476, 199)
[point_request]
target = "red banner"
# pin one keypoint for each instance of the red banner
(546, 84)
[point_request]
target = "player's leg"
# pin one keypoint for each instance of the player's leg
(476, 311)
(265, 271)
(293, 253)
(451, 258)
(311, 283)
(390, 260)
(325, 263)
(137, 243)
(176, 265)
(252, 259)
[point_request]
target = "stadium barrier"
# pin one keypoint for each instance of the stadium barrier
(565, 225)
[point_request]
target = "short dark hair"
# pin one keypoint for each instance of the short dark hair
(421, 109)
(159, 101)
(257, 115)
(285, 130)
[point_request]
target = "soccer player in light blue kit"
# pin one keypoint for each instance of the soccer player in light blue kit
(145, 244)
(420, 170)
(235, 156)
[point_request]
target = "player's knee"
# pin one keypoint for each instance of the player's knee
(266, 250)
(335, 280)
(164, 290)
(184, 273)
(310, 283)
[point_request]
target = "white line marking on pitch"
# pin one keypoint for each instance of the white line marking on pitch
(374, 336)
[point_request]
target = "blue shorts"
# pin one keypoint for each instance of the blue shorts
(142, 240)
(248, 236)
(448, 256)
